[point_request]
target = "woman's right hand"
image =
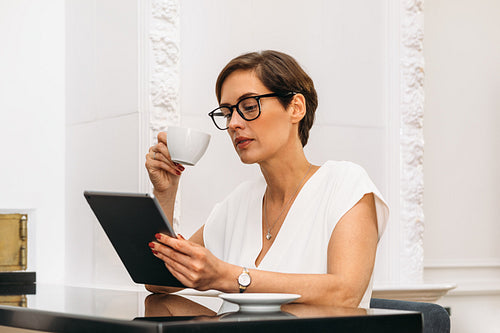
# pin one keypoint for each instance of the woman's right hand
(163, 172)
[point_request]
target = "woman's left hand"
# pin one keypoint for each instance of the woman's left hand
(193, 265)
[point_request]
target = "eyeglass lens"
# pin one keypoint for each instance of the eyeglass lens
(249, 110)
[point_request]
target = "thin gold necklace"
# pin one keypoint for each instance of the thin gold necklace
(269, 235)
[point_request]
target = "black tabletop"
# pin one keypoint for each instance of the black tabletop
(72, 309)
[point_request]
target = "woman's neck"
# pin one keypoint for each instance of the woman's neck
(283, 175)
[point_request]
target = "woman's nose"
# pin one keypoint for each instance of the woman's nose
(236, 121)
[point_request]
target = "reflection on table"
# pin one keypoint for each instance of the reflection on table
(158, 306)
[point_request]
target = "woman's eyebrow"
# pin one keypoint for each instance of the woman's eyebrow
(248, 94)
(245, 95)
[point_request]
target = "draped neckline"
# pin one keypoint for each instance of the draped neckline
(258, 204)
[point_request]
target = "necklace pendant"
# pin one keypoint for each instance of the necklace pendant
(268, 236)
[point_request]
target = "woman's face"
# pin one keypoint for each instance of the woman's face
(265, 137)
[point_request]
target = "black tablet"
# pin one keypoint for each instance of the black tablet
(130, 221)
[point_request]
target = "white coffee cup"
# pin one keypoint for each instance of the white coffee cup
(186, 145)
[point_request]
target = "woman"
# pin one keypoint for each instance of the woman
(303, 229)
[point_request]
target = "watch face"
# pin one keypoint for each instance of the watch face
(244, 279)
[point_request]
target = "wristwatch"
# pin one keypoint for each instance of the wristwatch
(244, 279)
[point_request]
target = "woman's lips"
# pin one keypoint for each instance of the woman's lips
(242, 142)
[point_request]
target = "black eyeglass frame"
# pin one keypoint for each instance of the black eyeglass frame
(242, 115)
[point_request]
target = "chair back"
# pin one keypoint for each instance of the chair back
(436, 318)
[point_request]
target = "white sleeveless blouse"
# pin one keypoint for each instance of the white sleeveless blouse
(233, 231)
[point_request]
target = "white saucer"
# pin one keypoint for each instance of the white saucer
(259, 302)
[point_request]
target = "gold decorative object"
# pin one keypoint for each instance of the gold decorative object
(14, 300)
(13, 242)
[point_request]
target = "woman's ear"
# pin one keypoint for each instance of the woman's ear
(297, 108)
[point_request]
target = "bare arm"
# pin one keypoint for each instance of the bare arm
(164, 175)
(351, 256)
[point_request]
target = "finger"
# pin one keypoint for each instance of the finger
(158, 150)
(162, 154)
(162, 149)
(154, 155)
(150, 153)
(162, 137)
(153, 165)
(179, 245)
(179, 272)
(150, 156)
(193, 278)
(177, 269)
(174, 260)
(184, 251)
(170, 252)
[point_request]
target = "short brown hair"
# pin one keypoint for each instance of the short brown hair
(280, 73)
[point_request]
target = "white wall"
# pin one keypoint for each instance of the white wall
(102, 129)
(32, 135)
(462, 158)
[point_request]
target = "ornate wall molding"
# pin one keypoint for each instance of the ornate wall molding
(165, 53)
(164, 77)
(411, 140)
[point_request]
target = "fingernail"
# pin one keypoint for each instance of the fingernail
(151, 245)
(158, 236)
(179, 166)
(155, 252)
(178, 172)
(181, 237)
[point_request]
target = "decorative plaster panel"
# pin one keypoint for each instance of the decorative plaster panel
(164, 50)
(411, 141)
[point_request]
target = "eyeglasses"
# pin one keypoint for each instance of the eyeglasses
(248, 108)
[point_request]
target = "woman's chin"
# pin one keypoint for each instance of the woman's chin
(247, 158)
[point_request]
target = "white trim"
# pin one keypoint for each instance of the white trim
(390, 247)
(145, 142)
(473, 277)
(477, 263)
(413, 292)
(477, 290)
